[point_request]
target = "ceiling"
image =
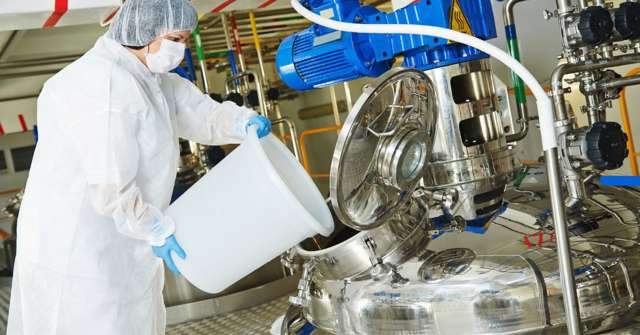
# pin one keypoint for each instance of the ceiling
(29, 57)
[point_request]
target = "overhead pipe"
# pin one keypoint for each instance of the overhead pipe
(266, 24)
(518, 84)
(256, 42)
(237, 43)
(201, 60)
(232, 59)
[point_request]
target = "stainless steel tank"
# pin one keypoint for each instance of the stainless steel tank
(470, 153)
(502, 286)
(394, 269)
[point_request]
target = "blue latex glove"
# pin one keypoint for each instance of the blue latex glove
(263, 124)
(164, 252)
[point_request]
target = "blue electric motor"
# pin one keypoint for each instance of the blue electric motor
(318, 56)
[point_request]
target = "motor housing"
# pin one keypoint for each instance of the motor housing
(319, 56)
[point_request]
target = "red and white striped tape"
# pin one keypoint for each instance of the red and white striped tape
(60, 8)
(23, 123)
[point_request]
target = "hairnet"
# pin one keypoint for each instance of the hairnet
(140, 21)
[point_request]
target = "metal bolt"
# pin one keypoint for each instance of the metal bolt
(547, 14)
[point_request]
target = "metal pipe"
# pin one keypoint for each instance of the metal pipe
(293, 132)
(572, 310)
(564, 69)
(275, 108)
(567, 280)
(256, 41)
(232, 59)
(201, 60)
(347, 96)
(241, 77)
(595, 110)
(621, 82)
(518, 84)
(626, 125)
(334, 106)
(238, 44)
(564, 6)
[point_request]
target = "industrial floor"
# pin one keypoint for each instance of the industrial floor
(251, 321)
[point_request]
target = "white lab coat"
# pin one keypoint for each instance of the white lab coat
(102, 173)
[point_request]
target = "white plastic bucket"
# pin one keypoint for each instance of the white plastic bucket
(251, 207)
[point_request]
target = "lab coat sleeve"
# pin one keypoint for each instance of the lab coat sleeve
(203, 120)
(108, 141)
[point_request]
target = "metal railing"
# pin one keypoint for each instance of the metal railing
(303, 148)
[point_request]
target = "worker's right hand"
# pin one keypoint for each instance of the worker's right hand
(164, 252)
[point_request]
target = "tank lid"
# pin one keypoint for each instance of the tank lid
(383, 148)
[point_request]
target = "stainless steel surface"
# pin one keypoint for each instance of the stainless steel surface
(471, 153)
(522, 109)
(383, 148)
(505, 286)
(178, 291)
(252, 321)
(203, 74)
(351, 252)
(621, 82)
(347, 96)
(230, 302)
(571, 306)
(595, 107)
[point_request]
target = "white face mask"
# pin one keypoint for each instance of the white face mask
(167, 58)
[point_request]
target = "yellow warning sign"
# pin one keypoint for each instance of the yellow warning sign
(458, 20)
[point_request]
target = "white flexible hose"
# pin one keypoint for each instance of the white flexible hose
(545, 108)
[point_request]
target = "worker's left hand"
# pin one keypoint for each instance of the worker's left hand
(164, 252)
(262, 123)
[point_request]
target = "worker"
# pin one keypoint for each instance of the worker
(91, 232)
